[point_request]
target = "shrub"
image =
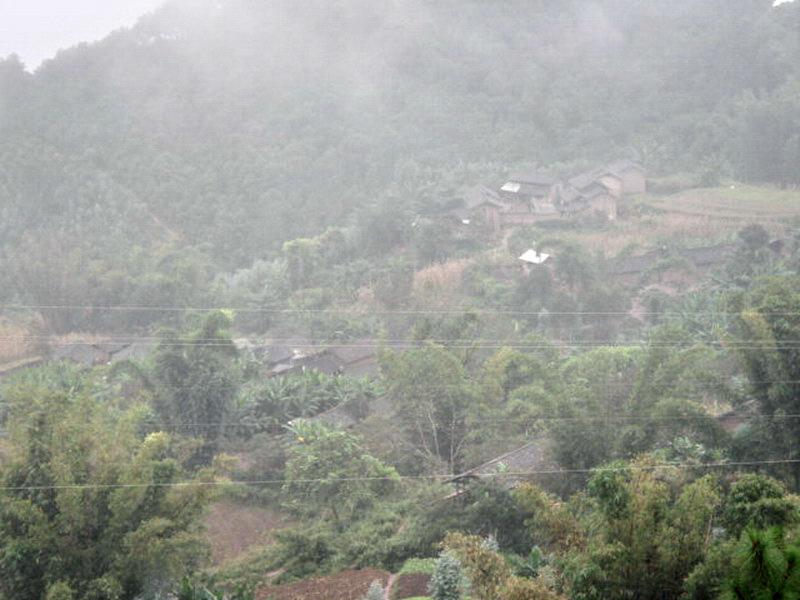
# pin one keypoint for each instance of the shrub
(447, 582)
(375, 591)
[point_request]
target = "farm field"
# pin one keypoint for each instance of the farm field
(735, 201)
(347, 585)
(696, 217)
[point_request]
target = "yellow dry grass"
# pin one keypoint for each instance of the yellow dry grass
(439, 283)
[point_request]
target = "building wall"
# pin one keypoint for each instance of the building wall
(491, 214)
(606, 204)
(613, 184)
(514, 218)
(544, 206)
(633, 182)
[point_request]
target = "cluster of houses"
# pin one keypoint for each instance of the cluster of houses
(357, 358)
(102, 352)
(530, 197)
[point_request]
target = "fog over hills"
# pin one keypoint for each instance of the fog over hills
(213, 121)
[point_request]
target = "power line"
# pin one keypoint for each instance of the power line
(411, 345)
(301, 342)
(521, 420)
(358, 311)
(442, 478)
(378, 342)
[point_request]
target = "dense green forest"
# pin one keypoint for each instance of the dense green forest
(255, 346)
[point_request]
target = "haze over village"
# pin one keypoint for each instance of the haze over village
(411, 300)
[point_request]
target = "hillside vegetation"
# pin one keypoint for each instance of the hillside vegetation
(255, 342)
(212, 132)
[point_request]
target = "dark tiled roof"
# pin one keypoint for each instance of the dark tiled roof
(278, 354)
(338, 416)
(519, 463)
(535, 189)
(594, 190)
(82, 353)
(537, 178)
(701, 257)
(111, 347)
(367, 367)
(135, 351)
(569, 194)
(587, 179)
(479, 195)
(355, 351)
(324, 362)
(283, 368)
(620, 166)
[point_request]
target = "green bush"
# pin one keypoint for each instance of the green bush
(447, 582)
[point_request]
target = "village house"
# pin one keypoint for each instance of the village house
(484, 204)
(630, 269)
(511, 469)
(631, 174)
(600, 189)
(530, 197)
(358, 358)
(102, 352)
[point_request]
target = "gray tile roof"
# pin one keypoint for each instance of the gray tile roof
(518, 463)
(620, 166)
(536, 178)
(479, 195)
(702, 257)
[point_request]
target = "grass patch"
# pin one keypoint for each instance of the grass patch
(418, 565)
(754, 195)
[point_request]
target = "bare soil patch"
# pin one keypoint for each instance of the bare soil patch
(411, 585)
(234, 528)
(347, 585)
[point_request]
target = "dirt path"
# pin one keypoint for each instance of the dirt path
(387, 592)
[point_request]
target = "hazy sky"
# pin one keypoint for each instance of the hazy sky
(37, 29)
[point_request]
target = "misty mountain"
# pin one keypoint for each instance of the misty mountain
(219, 122)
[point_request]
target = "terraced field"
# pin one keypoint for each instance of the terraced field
(734, 202)
(696, 217)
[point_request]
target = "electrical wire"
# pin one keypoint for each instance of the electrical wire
(444, 478)
(358, 311)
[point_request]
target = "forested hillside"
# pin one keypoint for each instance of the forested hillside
(415, 299)
(216, 124)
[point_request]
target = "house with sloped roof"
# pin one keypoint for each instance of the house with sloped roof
(529, 193)
(482, 203)
(357, 359)
(513, 468)
(600, 188)
(631, 175)
(528, 197)
(102, 352)
(631, 268)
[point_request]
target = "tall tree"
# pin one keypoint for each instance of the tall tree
(196, 380)
(89, 509)
(432, 397)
